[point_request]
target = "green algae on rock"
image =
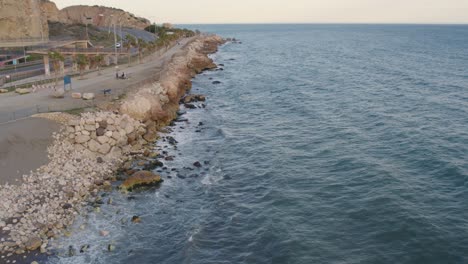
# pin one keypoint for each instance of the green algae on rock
(141, 179)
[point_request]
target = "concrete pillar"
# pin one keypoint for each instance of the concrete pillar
(46, 65)
(107, 60)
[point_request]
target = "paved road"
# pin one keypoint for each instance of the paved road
(13, 106)
(38, 66)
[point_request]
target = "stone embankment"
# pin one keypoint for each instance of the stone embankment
(89, 150)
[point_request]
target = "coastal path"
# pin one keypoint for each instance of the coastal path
(14, 106)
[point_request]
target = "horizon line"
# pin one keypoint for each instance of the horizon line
(328, 23)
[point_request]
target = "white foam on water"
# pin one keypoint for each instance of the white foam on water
(211, 179)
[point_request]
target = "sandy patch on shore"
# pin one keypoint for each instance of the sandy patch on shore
(23, 147)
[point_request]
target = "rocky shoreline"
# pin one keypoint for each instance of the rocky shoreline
(90, 149)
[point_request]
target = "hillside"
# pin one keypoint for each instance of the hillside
(27, 19)
(22, 19)
(96, 15)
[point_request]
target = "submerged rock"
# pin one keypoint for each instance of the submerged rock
(136, 219)
(111, 247)
(84, 248)
(141, 179)
(190, 106)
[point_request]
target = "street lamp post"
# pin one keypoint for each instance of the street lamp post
(115, 41)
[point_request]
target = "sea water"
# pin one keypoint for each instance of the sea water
(321, 144)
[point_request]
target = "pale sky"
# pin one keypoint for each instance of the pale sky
(290, 11)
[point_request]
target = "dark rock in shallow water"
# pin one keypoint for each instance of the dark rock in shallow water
(172, 140)
(190, 106)
(169, 158)
(136, 219)
(181, 112)
(222, 65)
(111, 247)
(206, 162)
(71, 251)
(197, 164)
(153, 165)
(178, 120)
(84, 248)
(197, 131)
(216, 82)
(200, 123)
(193, 176)
(181, 176)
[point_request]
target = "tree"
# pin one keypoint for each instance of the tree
(130, 42)
(96, 61)
(82, 61)
(142, 46)
(57, 58)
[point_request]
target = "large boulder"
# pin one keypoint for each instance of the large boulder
(3, 91)
(141, 179)
(33, 243)
(76, 95)
(82, 139)
(58, 92)
(23, 90)
(88, 96)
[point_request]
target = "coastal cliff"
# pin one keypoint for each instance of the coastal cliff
(89, 150)
(28, 19)
(78, 14)
(96, 15)
(22, 19)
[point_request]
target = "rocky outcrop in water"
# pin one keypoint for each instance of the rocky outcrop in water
(140, 179)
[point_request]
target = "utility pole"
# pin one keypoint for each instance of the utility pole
(121, 36)
(87, 36)
(115, 46)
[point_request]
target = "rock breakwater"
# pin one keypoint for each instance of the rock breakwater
(89, 150)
